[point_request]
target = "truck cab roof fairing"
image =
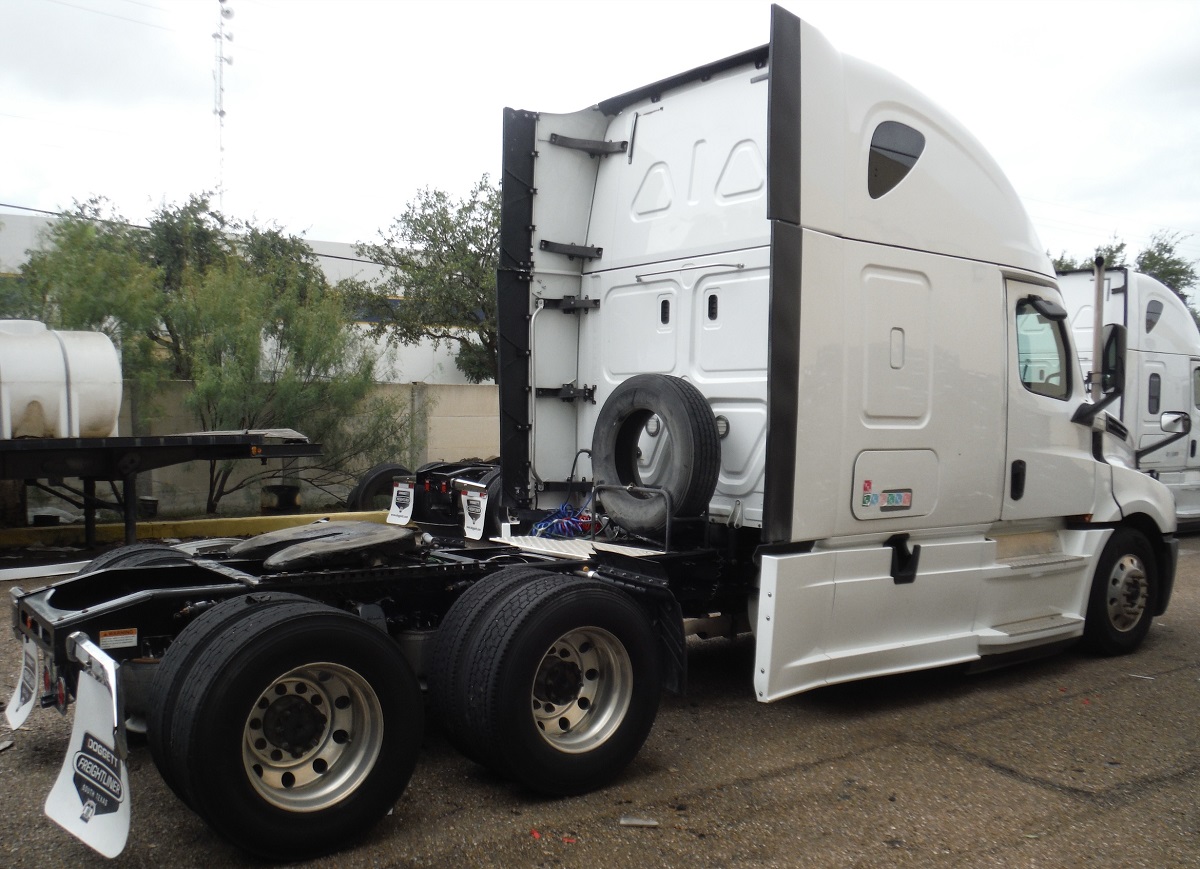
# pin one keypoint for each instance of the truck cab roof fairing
(954, 201)
(614, 105)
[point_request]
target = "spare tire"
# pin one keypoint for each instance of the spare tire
(135, 555)
(686, 456)
(373, 491)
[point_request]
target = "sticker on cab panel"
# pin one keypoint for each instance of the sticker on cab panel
(895, 483)
(888, 501)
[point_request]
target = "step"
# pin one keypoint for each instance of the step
(579, 549)
(1060, 623)
(1050, 562)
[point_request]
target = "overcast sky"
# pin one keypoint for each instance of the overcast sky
(337, 112)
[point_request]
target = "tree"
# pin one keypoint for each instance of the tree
(243, 313)
(1113, 253)
(1063, 263)
(1161, 261)
(440, 258)
(271, 346)
(90, 275)
(182, 241)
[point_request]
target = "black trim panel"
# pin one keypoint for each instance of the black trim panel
(783, 119)
(654, 92)
(783, 381)
(512, 301)
(783, 209)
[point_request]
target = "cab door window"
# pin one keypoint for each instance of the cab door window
(1042, 358)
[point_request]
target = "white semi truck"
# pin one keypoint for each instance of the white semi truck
(1160, 399)
(766, 341)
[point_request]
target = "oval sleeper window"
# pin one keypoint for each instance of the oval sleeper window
(1153, 312)
(895, 148)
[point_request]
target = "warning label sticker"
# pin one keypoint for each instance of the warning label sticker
(123, 638)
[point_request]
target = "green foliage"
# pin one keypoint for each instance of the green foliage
(89, 275)
(1113, 253)
(183, 238)
(242, 312)
(1063, 263)
(1161, 261)
(182, 241)
(13, 295)
(439, 283)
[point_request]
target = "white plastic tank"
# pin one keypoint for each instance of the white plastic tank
(57, 384)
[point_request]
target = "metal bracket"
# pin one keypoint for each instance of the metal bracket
(1185, 419)
(571, 304)
(582, 251)
(591, 147)
(567, 392)
(96, 664)
(641, 277)
(904, 560)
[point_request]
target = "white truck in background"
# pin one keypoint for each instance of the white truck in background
(1160, 401)
(780, 354)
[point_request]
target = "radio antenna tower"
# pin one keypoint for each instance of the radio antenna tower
(222, 59)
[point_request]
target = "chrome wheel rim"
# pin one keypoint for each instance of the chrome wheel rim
(582, 690)
(1127, 593)
(312, 737)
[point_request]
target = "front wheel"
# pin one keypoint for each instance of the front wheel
(563, 684)
(298, 730)
(1123, 596)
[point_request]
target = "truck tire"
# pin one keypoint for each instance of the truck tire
(297, 731)
(690, 467)
(1123, 596)
(450, 642)
(373, 491)
(176, 667)
(135, 555)
(563, 684)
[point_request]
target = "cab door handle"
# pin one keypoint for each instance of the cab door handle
(1016, 488)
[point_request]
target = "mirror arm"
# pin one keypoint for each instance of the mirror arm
(1086, 413)
(1179, 435)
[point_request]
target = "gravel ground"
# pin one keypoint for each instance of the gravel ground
(1068, 761)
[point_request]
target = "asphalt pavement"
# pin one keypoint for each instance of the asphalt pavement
(1068, 761)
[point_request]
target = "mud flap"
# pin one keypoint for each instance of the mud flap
(474, 507)
(402, 502)
(21, 702)
(91, 799)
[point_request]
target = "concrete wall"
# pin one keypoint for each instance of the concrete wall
(458, 427)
